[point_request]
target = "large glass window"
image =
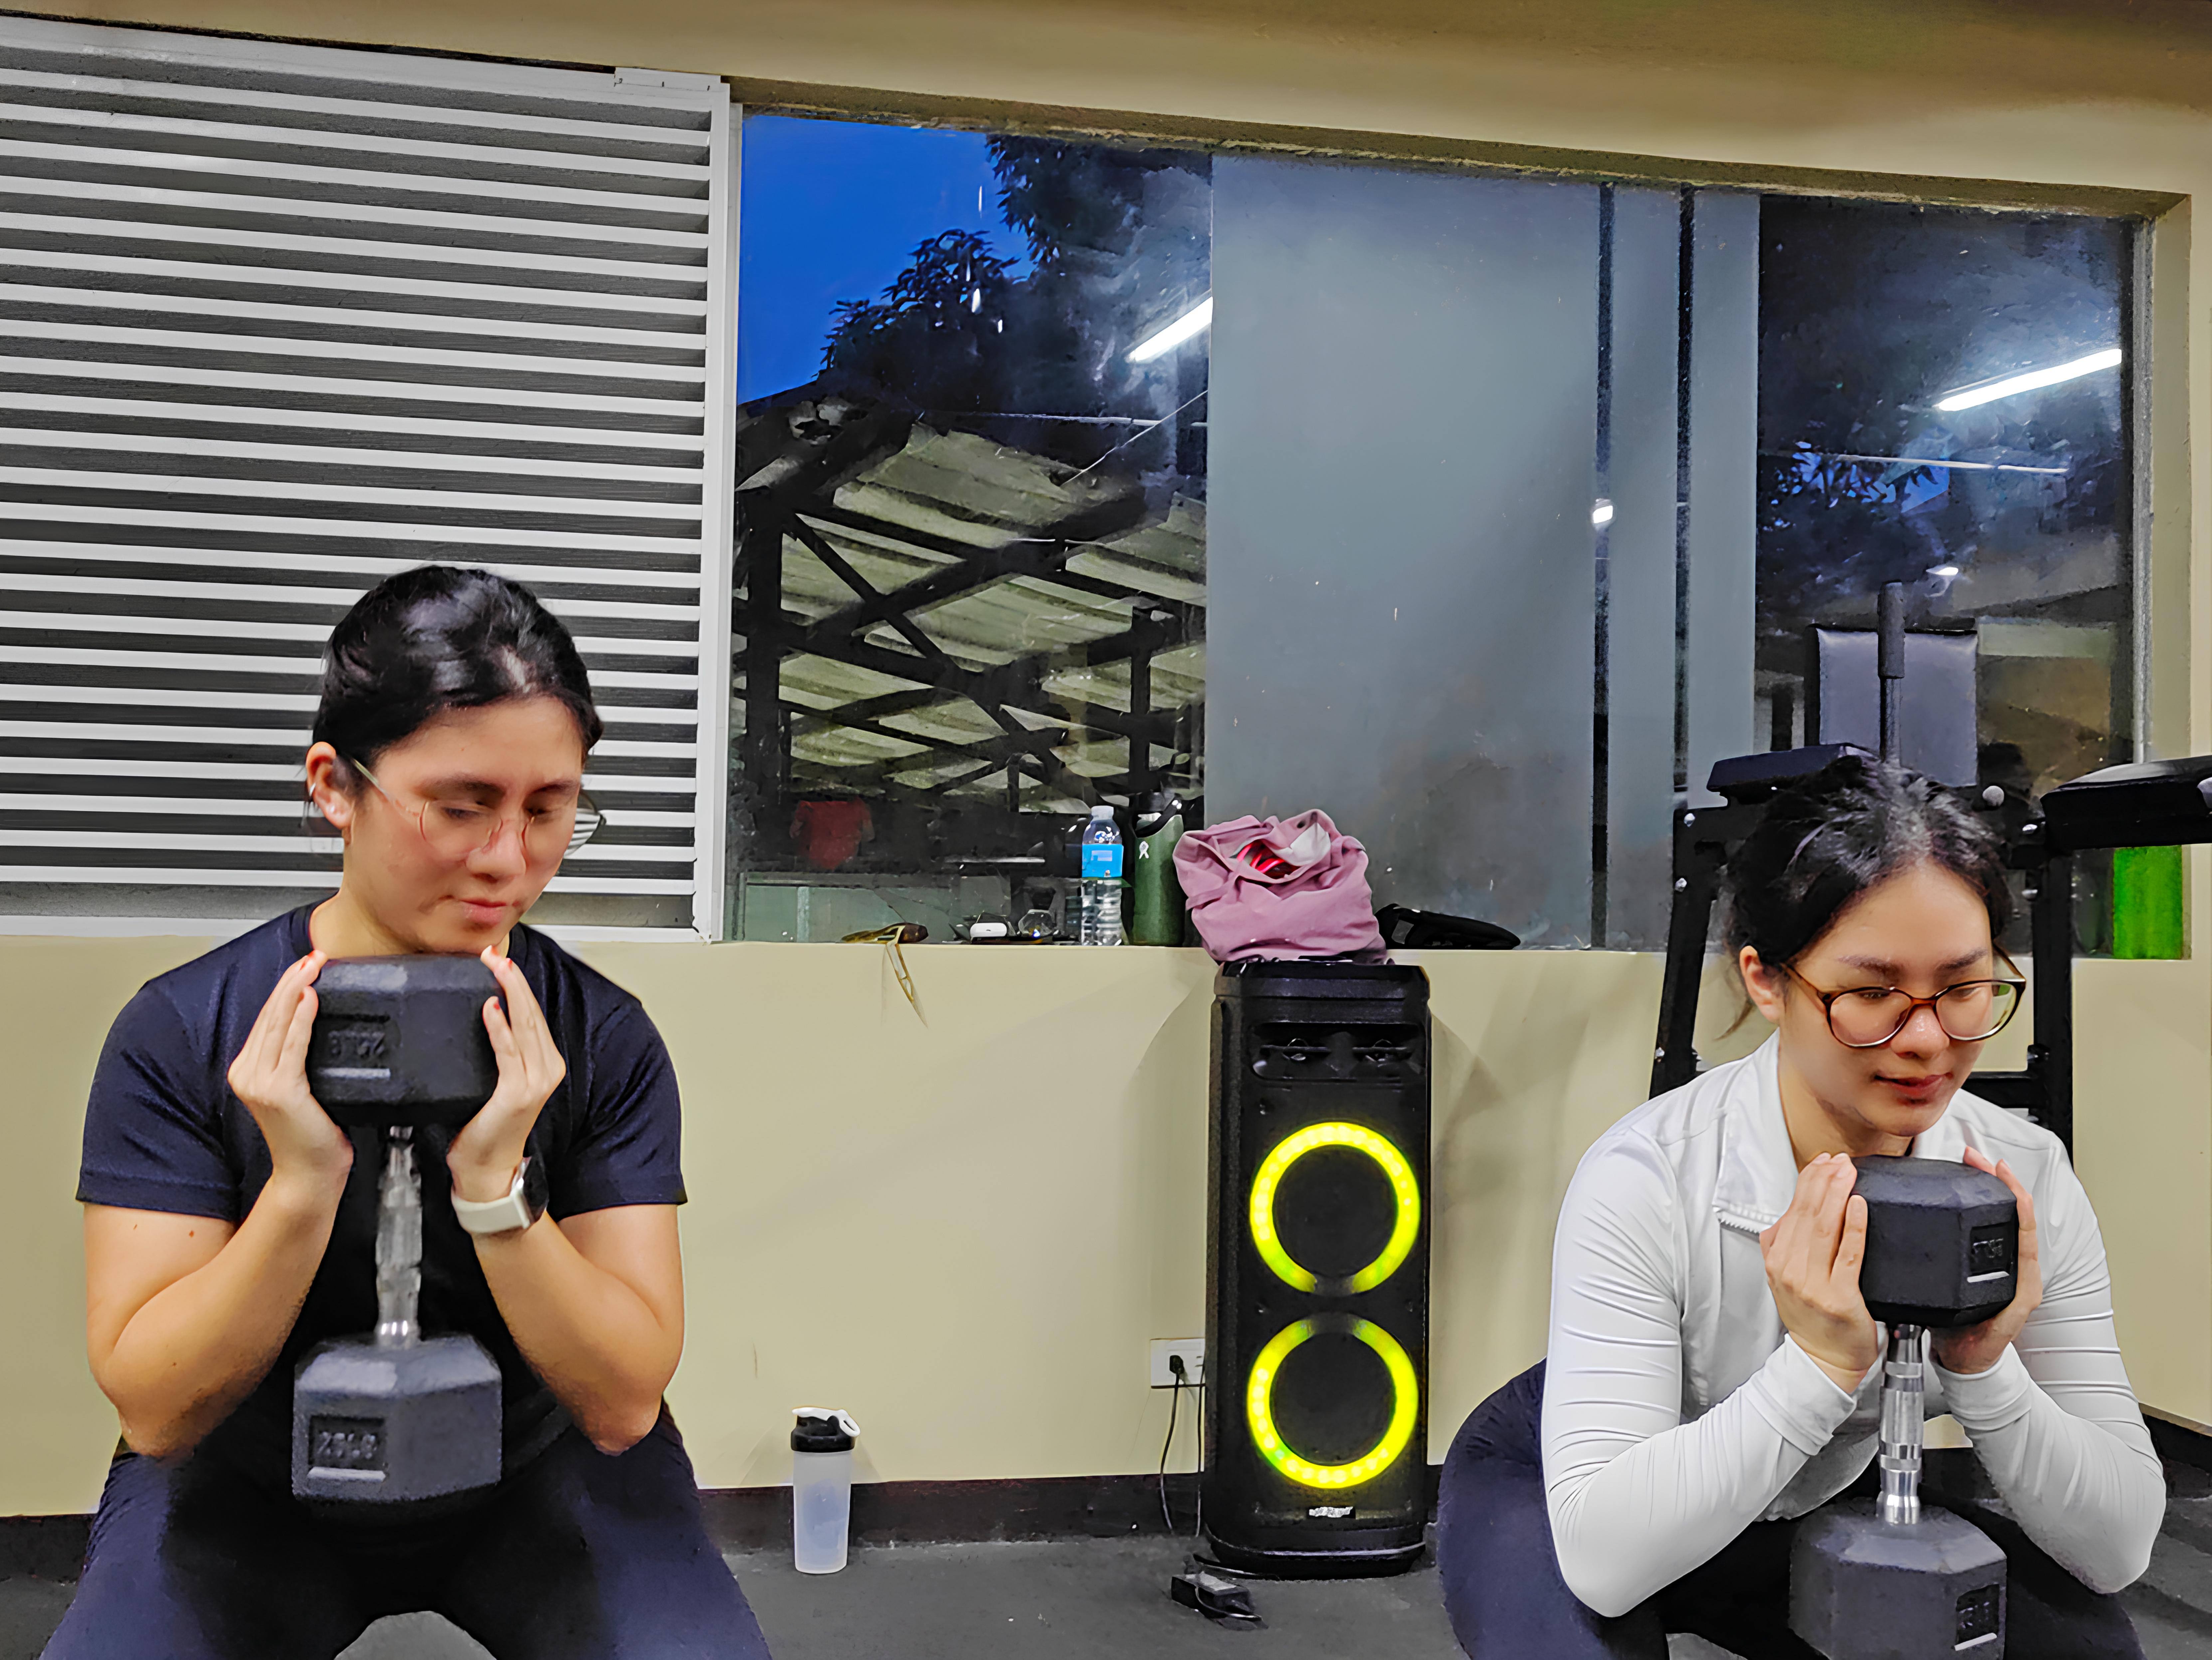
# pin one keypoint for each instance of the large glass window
(1941, 404)
(970, 592)
(1527, 502)
(1405, 474)
(1943, 399)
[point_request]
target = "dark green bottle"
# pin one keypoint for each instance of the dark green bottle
(1156, 910)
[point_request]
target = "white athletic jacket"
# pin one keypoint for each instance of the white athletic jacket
(1677, 1411)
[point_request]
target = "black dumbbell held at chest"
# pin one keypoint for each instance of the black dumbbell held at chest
(394, 1418)
(1892, 1578)
(401, 1040)
(1943, 1242)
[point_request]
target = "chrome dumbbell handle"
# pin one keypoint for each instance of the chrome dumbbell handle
(1904, 1397)
(398, 1241)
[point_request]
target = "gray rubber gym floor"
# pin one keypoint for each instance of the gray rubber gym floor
(1087, 1599)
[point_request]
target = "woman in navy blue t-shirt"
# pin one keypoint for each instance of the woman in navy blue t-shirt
(230, 1224)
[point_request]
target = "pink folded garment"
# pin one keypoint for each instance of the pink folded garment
(1270, 890)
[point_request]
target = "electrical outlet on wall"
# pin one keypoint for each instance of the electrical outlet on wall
(1192, 1350)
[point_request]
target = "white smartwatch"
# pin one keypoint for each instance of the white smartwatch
(524, 1203)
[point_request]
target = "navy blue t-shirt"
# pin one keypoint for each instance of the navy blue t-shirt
(164, 1133)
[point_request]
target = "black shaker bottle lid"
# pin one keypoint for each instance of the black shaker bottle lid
(822, 1429)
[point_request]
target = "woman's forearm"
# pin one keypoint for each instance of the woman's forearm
(1634, 1508)
(2055, 1422)
(187, 1357)
(599, 1346)
(2085, 1483)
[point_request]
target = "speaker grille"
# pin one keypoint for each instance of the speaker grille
(1318, 1254)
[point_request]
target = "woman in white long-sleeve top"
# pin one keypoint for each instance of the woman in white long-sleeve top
(1712, 1372)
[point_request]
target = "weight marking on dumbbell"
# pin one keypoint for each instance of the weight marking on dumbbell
(349, 1445)
(1991, 1249)
(356, 1042)
(1979, 1617)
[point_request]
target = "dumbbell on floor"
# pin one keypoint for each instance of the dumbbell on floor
(393, 1416)
(1895, 1579)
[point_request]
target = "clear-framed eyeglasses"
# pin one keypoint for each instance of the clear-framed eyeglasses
(1867, 1016)
(455, 829)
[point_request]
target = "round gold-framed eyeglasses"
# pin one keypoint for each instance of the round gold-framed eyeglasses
(455, 829)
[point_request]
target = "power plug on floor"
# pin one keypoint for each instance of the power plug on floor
(1165, 1349)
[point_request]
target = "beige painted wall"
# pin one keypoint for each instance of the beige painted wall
(2041, 91)
(966, 1230)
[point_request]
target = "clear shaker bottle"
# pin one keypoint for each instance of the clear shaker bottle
(821, 1487)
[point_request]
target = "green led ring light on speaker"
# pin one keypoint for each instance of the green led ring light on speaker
(1405, 1403)
(1276, 1164)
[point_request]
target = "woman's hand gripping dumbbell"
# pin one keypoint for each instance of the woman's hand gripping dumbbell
(1813, 1254)
(1812, 1257)
(1976, 1348)
(487, 1151)
(306, 1148)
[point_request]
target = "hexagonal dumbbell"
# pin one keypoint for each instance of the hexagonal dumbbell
(1864, 1589)
(387, 1424)
(1890, 1578)
(394, 1417)
(1942, 1242)
(401, 1040)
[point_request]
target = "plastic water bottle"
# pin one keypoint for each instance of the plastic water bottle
(1101, 880)
(820, 1488)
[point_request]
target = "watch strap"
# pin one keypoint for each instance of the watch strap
(516, 1211)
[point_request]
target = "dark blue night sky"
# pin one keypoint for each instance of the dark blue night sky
(832, 211)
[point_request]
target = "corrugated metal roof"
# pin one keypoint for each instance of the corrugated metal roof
(1027, 571)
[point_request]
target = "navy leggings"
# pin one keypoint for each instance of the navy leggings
(1505, 1598)
(579, 1556)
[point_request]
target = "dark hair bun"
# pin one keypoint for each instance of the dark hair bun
(441, 637)
(1853, 824)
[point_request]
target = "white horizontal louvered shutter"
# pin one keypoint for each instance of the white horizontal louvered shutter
(276, 322)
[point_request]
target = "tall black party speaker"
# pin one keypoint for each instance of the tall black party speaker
(1317, 1264)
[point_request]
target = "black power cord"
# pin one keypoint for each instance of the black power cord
(1198, 1522)
(1219, 1599)
(1177, 1369)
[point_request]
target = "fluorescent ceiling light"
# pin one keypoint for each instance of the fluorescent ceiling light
(1937, 461)
(1193, 321)
(1972, 396)
(1943, 570)
(1601, 514)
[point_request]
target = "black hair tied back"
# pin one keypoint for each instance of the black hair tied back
(441, 637)
(1850, 827)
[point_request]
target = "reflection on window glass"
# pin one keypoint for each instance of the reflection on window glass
(1940, 405)
(1484, 597)
(971, 451)
(1405, 531)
